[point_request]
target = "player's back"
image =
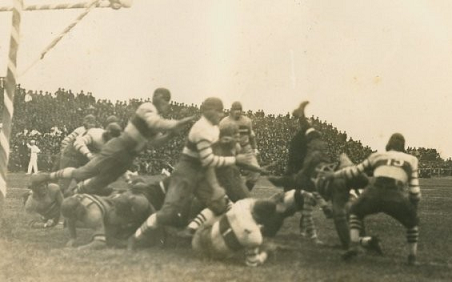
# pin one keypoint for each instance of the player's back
(243, 224)
(393, 164)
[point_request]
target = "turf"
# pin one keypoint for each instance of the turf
(39, 255)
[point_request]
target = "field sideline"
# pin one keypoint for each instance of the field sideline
(39, 255)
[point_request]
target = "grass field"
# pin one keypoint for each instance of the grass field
(39, 255)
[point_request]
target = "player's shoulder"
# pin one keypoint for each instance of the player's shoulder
(411, 158)
(53, 187)
(394, 155)
(79, 130)
(245, 119)
(245, 204)
(147, 107)
(95, 131)
(202, 128)
(226, 120)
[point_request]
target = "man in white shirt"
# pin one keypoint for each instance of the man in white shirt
(34, 151)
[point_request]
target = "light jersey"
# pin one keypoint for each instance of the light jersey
(245, 128)
(71, 137)
(146, 124)
(201, 137)
(392, 164)
(237, 229)
(90, 143)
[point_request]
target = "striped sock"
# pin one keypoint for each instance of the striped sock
(355, 228)
(204, 216)
(412, 237)
(62, 173)
(149, 224)
(308, 221)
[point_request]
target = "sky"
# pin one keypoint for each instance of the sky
(371, 68)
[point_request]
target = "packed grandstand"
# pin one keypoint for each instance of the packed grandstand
(49, 117)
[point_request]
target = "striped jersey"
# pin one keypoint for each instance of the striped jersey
(146, 124)
(245, 128)
(201, 137)
(71, 137)
(237, 230)
(391, 164)
(90, 143)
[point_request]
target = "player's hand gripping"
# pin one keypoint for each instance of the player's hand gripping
(243, 158)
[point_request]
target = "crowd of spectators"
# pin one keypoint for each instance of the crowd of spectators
(48, 117)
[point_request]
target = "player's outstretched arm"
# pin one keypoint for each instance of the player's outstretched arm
(253, 168)
(162, 139)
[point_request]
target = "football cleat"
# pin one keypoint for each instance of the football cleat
(94, 245)
(375, 245)
(299, 112)
(350, 254)
(317, 241)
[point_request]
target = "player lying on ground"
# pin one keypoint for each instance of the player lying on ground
(239, 229)
(45, 200)
(146, 126)
(395, 192)
(113, 219)
(245, 226)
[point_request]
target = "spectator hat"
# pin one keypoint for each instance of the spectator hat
(32, 142)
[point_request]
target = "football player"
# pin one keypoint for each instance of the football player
(196, 165)
(247, 139)
(146, 126)
(395, 192)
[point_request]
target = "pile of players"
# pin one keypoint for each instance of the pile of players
(205, 196)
